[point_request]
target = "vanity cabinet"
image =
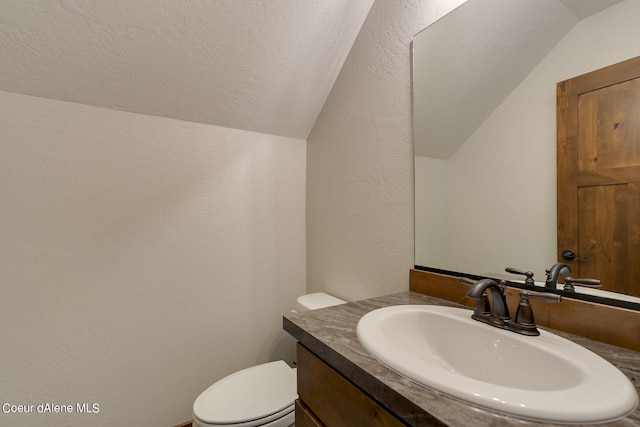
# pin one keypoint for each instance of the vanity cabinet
(340, 384)
(326, 398)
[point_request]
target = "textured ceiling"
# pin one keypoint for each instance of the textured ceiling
(259, 65)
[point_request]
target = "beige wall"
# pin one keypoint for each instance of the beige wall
(360, 160)
(431, 212)
(141, 258)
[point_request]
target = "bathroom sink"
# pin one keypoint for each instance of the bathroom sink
(543, 377)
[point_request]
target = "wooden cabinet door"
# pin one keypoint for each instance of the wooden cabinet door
(333, 400)
(598, 170)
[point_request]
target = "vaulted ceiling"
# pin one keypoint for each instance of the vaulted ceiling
(459, 81)
(258, 65)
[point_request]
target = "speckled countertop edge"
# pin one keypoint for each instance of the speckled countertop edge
(331, 334)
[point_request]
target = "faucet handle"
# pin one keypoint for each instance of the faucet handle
(543, 296)
(569, 281)
(524, 321)
(528, 274)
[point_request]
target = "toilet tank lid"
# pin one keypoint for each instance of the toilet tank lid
(316, 300)
(251, 394)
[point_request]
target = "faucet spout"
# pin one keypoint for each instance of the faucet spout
(553, 273)
(499, 309)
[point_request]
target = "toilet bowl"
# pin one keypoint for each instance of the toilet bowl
(259, 396)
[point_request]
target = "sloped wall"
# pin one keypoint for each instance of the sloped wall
(360, 160)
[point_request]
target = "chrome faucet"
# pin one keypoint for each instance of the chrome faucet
(498, 313)
(552, 274)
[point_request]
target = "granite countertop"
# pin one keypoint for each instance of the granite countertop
(331, 334)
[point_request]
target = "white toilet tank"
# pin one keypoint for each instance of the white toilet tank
(315, 301)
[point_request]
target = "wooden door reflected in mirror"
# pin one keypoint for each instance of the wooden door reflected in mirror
(598, 117)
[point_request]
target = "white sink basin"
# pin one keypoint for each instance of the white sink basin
(543, 378)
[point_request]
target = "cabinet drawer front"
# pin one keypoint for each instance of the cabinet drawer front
(304, 416)
(333, 399)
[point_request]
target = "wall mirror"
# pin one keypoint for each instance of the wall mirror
(484, 121)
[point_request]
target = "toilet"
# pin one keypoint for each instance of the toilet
(262, 395)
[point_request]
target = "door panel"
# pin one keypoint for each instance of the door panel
(608, 127)
(605, 223)
(599, 174)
